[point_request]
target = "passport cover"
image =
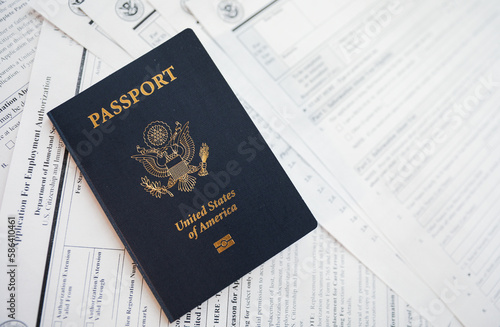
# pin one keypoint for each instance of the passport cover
(182, 173)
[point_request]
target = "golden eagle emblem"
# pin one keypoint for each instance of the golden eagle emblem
(169, 156)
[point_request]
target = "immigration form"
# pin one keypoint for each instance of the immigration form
(90, 279)
(400, 100)
(355, 231)
(19, 30)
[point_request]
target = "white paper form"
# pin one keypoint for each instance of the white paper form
(133, 24)
(98, 284)
(93, 282)
(19, 30)
(67, 16)
(34, 182)
(381, 305)
(404, 94)
(354, 229)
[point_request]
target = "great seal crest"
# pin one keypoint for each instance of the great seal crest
(169, 155)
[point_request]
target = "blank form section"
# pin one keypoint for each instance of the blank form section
(88, 286)
(495, 295)
(315, 12)
(306, 78)
(490, 273)
(263, 53)
(290, 19)
(473, 235)
(153, 33)
(459, 172)
(443, 153)
(489, 256)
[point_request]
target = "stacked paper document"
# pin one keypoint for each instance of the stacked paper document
(384, 115)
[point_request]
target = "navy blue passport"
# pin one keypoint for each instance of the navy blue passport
(182, 173)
